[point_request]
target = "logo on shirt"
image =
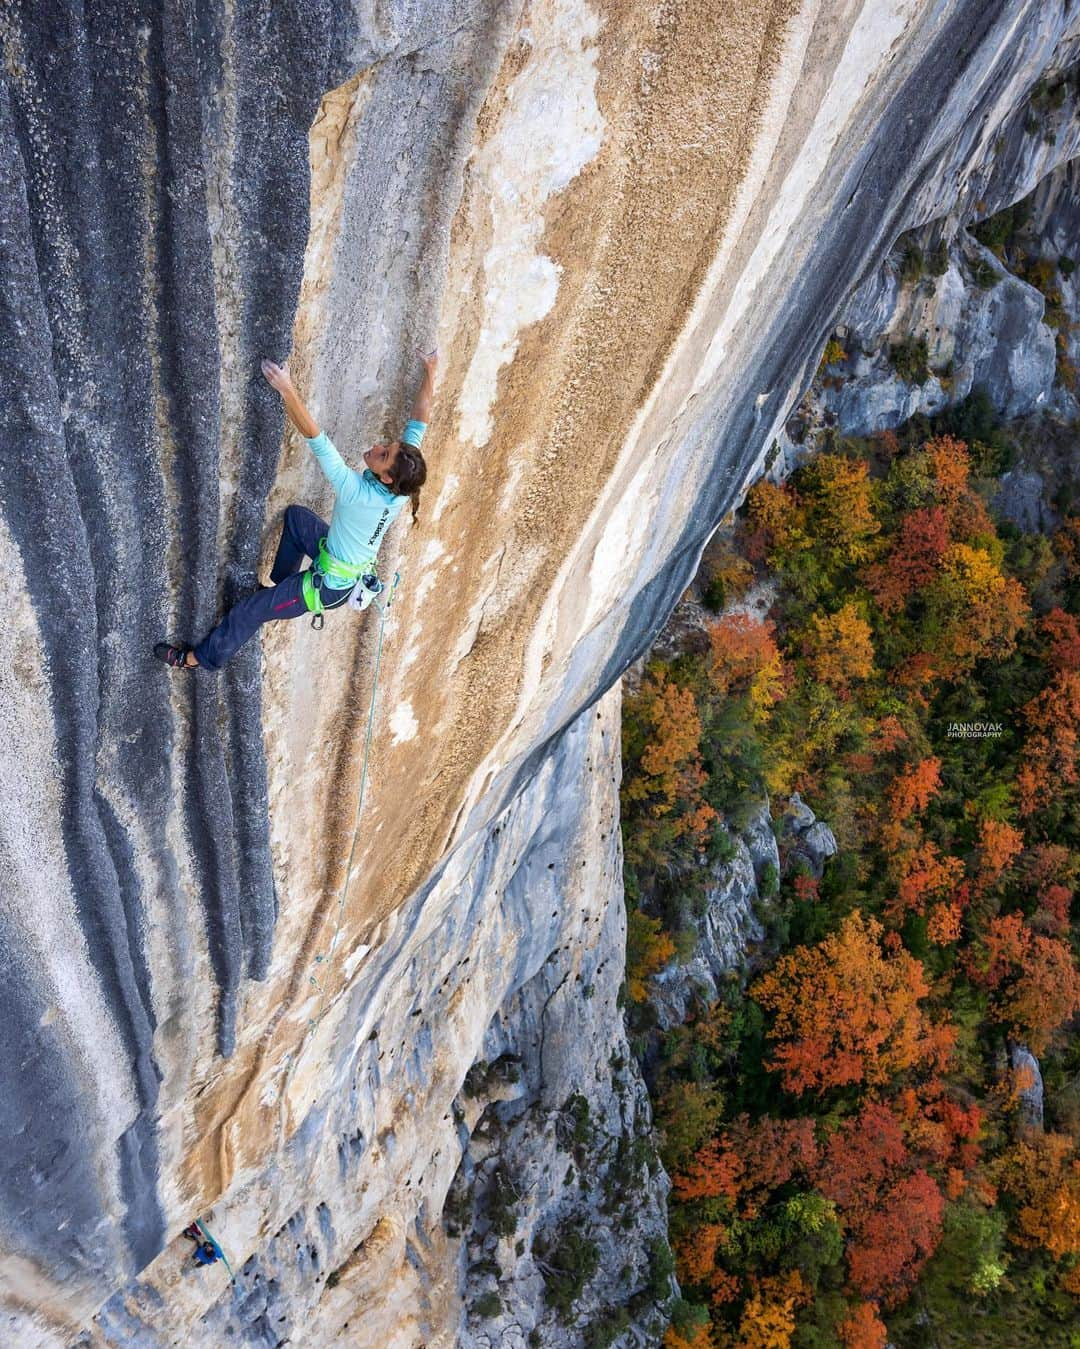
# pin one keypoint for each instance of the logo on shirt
(380, 526)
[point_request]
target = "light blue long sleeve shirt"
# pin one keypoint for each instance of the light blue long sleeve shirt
(364, 507)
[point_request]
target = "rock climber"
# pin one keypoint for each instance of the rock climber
(365, 506)
(206, 1252)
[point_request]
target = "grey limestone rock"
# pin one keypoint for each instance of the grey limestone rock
(808, 841)
(1026, 1066)
(797, 815)
(1020, 498)
(730, 924)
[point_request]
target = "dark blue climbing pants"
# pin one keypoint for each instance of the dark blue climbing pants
(300, 537)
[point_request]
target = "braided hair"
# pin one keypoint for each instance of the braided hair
(408, 473)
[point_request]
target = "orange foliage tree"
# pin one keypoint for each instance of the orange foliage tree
(768, 1318)
(845, 1013)
(1043, 1173)
(698, 1337)
(951, 463)
(913, 788)
(863, 1329)
(1052, 750)
(746, 659)
(999, 846)
(695, 1252)
(922, 872)
(1033, 978)
(664, 792)
(714, 1173)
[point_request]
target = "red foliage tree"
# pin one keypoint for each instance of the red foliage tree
(1049, 872)
(912, 561)
(773, 1151)
(891, 1208)
(890, 1246)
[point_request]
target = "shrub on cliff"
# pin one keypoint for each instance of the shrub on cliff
(567, 1259)
(910, 358)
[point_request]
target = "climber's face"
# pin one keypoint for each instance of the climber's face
(380, 459)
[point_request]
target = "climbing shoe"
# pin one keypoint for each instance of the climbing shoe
(176, 656)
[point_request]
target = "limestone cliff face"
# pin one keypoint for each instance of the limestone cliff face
(630, 228)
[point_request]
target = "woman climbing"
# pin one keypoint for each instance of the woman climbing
(365, 506)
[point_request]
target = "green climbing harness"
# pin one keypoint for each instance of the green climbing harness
(328, 565)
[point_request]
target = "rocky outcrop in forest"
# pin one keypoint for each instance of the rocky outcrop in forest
(630, 229)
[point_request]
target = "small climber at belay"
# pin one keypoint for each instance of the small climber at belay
(342, 553)
(205, 1252)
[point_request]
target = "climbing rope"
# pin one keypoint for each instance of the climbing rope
(327, 959)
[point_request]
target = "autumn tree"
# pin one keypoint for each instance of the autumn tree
(922, 872)
(891, 1207)
(913, 788)
(1033, 979)
(648, 950)
(689, 1113)
(772, 1152)
(972, 611)
(695, 1252)
(1062, 633)
(1051, 759)
(1049, 872)
(695, 1337)
(714, 1172)
(1042, 1174)
(774, 521)
(663, 792)
(913, 560)
(1000, 844)
(951, 463)
(746, 659)
(768, 1318)
(839, 506)
(839, 648)
(863, 1329)
(844, 1012)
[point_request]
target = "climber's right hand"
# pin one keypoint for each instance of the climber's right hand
(277, 376)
